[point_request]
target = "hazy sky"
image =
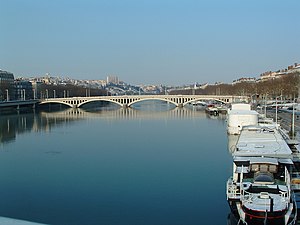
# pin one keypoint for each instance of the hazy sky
(149, 41)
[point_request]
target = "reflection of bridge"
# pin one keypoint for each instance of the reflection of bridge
(12, 124)
(124, 113)
(127, 101)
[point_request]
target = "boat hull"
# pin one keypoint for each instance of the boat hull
(260, 217)
(248, 216)
(260, 221)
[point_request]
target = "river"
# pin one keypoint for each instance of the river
(153, 164)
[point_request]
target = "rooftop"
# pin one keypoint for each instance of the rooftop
(262, 142)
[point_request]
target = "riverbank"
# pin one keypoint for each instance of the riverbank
(284, 118)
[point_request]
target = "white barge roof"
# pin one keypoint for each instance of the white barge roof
(242, 112)
(255, 160)
(261, 142)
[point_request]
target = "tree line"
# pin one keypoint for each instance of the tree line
(286, 86)
(68, 90)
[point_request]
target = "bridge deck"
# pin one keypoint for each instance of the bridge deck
(128, 100)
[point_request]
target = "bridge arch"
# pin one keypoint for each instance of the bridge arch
(98, 100)
(56, 102)
(149, 99)
(205, 99)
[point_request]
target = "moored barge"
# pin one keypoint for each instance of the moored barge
(259, 191)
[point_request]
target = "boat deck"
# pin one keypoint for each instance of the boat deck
(262, 202)
(262, 142)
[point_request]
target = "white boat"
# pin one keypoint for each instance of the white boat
(216, 109)
(199, 103)
(239, 116)
(259, 192)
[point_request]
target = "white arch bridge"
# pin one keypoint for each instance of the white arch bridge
(128, 100)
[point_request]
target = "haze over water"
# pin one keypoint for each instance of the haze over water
(148, 165)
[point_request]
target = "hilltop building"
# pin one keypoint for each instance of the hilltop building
(243, 79)
(112, 80)
(279, 73)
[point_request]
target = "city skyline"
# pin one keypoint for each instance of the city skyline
(167, 42)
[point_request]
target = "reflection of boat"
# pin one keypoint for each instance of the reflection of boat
(232, 219)
(232, 141)
(259, 192)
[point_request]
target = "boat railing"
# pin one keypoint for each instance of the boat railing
(248, 197)
(233, 190)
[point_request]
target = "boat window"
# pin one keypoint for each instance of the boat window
(255, 167)
(263, 178)
(273, 168)
(263, 168)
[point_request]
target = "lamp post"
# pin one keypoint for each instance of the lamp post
(54, 95)
(266, 104)
(64, 93)
(194, 89)
(276, 110)
(47, 94)
(7, 96)
(293, 118)
(252, 99)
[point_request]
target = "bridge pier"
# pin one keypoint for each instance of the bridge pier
(180, 105)
(124, 106)
(74, 106)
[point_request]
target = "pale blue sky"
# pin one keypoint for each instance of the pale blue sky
(149, 41)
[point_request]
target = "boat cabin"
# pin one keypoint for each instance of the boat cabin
(261, 170)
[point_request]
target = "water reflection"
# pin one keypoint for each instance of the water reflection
(127, 113)
(232, 220)
(121, 166)
(12, 125)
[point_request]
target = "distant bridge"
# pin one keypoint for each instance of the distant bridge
(128, 100)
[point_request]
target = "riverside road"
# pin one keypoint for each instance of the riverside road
(285, 119)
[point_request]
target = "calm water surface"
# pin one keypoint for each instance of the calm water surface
(120, 166)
